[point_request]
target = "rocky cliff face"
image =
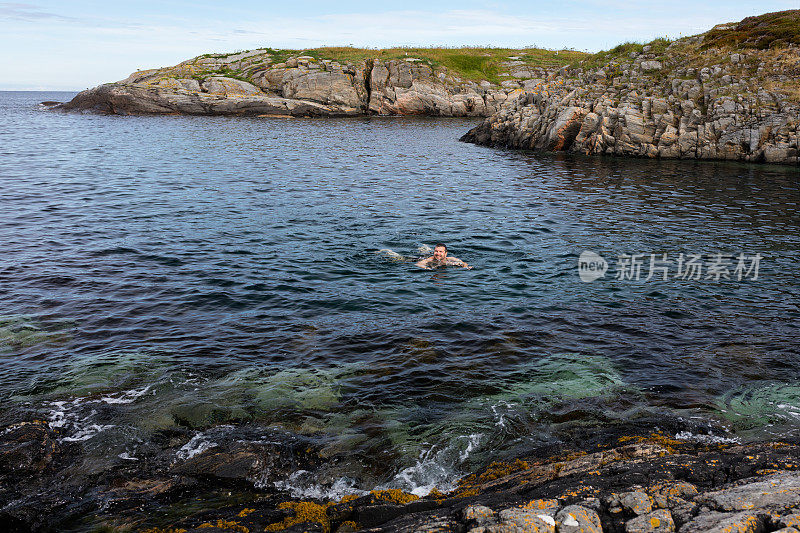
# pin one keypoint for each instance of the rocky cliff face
(688, 99)
(259, 83)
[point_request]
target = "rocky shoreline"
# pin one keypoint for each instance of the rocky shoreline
(699, 97)
(617, 483)
(728, 94)
(259, 83)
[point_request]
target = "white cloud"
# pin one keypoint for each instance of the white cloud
(91, 50)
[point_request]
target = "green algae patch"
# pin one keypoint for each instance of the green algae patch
(24, 331)
(756, 407)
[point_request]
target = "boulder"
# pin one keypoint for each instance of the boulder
(577, 519)
(564, 129)
(776, 492)
(230, 87)
(330, 88)
(651, 65)
(714, 522)
(191, 85)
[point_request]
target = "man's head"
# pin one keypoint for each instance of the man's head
(439, 252)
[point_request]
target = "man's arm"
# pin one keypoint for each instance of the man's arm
(424, 263)
(458, 262)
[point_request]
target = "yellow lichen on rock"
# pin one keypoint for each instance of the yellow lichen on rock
(303, 512)
(436, 494)
(655, 438)
(225, 524)
(394, 496)
(541, 504)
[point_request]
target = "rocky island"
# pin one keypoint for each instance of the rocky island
(330, 82)
(728, 94)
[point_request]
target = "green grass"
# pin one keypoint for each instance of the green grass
(469, 63)
(771, 30)
(224, 72)
(659, 45)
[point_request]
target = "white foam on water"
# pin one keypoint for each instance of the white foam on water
(391, 254)
(792, 410)
(705, 439)
(437, 468)
(78, 425)
(501, 416)
(58, 416)
(197, 445)
(474, 442)
(77, 417)
(300, 484)
(87, 432)
(126, 396)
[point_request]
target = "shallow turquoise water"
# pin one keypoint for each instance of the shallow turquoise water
(202, 272)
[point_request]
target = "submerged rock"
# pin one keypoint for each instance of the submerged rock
(27, 449)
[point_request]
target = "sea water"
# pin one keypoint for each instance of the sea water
(213, 272)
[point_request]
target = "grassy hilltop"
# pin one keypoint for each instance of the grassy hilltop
(469, 63)
(771, 31)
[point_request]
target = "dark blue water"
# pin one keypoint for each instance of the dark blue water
(206, 271)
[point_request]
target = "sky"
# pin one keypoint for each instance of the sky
(73, 45)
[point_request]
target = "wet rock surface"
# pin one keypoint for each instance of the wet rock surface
(628, 484)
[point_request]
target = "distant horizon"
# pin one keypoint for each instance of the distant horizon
(85, 44)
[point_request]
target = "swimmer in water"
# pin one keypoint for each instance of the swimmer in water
(439, 258)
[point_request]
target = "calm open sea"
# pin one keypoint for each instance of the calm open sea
(206, 272)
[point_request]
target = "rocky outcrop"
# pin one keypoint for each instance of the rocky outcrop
(683, 101)
(259, 84)
(633, 484)
(644, 487)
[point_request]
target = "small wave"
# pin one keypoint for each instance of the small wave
(78, 417)
(437, 468)
(87, 432)
(762, 406)
(791, 410)
(125, 397)
(705, 439)
(391, 255)
(72, 418)
(197, 445)
(24, 331)
(500, 417)
(301, 485)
